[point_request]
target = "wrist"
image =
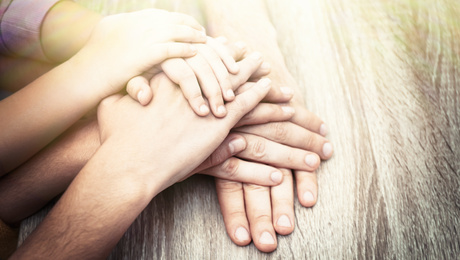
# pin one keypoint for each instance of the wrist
(146, 174)
(94, 76)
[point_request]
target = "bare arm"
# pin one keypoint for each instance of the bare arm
(93, 213)
(66, 94)
(126, 173)
(62, 93)
(248, 21)
(38, 113)
(48, 173)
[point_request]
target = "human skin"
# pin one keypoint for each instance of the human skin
(33, 184)
(64, 35)
(274, 57)
(204, 75)
(71, 89)
(125, 173)
(274, 211)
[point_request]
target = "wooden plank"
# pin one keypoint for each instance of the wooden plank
(384, 75)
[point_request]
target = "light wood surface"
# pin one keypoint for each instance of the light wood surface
(384, 75)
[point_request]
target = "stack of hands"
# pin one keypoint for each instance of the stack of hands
(174, 102)
(261, 142)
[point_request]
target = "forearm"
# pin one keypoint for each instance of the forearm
(33, 184)
(65, 94)
(248, 21)
(95, 211)
(65, 30)
(15, 73)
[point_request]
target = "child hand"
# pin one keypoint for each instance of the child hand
(215, 81)
(204, 79)
(125, 45)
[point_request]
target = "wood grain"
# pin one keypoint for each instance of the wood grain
(385, 77)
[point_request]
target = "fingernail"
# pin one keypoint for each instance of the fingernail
(288, 110)
(323, 130)
(237, 145)
(204, 109)
(276, 177)
(265, 82)
(311, 160)
(284, 221)
(221, 110)
(287, 90)
(192, 48)
(242, 234)
(230, 94)
(266, 239)
(327, 149)
(139, 96)
(308, 197)
(240, 44)
(256, 55)
(265, 66)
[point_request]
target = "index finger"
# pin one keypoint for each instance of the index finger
(247, 100)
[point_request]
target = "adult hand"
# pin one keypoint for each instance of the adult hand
(177, 129)
(280, 144)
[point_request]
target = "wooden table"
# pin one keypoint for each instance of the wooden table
(384, 75)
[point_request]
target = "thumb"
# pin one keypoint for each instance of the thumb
(247, 100)
(231, 146)
(138, 88)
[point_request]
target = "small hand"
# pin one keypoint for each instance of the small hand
(205, 73)
(122, 46)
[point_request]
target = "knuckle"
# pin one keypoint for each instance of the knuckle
(258, 149)
(291, 158)
(168, 50)
(280, 131)
(194, 96)
(226, 186)
(263, 218)
(236, 213)
(239, 105)
(251, 116)
(287, 173)
(230, 168)
(254, 188)
(186, 77)
(214, 159)
(310, 140)
(218, 157)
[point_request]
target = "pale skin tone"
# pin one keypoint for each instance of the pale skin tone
(71, 89)
(262, 217)
(203, 78)
(47, 174)
(114, 187)
(309, 123)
